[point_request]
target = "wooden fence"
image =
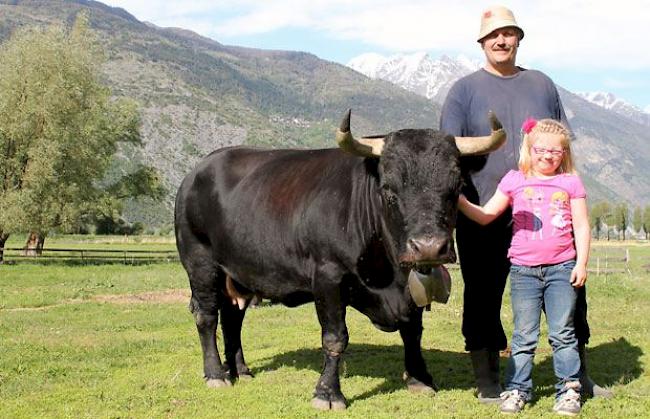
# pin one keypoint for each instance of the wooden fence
(606, 260)
(602, 261)
(128, 257)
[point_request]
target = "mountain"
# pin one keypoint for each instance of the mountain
(611, 102)
(612, 137)
(197, 94)
(611, 149)
(418, 72)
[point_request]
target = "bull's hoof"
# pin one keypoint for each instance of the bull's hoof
(242, 373)
(416, 386)
(245, 376)
(322, 404)
(217, 383)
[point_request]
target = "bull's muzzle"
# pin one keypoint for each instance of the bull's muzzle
(429, 251)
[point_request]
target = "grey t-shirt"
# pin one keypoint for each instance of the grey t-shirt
(529, 93)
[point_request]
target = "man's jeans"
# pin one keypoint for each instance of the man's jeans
(535, 288)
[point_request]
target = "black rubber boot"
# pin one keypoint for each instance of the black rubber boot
(589, 388)
(486, 371)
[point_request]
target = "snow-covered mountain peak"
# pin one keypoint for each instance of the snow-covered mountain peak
(416, 72)
(602, 99)
(611, 102)
(468, 62)
(367, 63)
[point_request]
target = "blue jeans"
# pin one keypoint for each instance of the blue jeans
(533, 289)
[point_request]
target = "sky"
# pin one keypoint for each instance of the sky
(583, 45)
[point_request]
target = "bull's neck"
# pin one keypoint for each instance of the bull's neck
(379, 225)
(362, 220)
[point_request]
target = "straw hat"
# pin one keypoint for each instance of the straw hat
(497, 17)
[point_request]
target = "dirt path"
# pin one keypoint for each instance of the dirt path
(152, 297)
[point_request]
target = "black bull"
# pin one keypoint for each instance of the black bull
(340, 227)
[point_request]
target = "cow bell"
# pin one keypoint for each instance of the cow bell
(434, 286)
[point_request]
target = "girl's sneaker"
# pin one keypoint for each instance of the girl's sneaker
(568, 404)
(513, 401)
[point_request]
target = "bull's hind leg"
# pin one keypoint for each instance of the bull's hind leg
(232, 318)
(214, 372)
(206, 281)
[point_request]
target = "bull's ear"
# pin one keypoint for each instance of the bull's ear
(366, 146)
(472, 146)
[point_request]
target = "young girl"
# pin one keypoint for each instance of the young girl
(548, 252)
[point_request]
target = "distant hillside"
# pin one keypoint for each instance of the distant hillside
(612, 150)
(198, 95)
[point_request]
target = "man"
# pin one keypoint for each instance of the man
(514, 94)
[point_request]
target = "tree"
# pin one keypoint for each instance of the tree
(646, 221)
(59, 131)
(622, 217)
(600, 214)
(637, 218)
(3, 239)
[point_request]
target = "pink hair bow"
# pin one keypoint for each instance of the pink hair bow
(528, 125)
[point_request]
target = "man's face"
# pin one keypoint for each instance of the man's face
(500, 46)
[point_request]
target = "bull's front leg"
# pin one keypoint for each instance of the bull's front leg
(331, 315)
(416, 375)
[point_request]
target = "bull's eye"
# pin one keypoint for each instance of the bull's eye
(388, 195)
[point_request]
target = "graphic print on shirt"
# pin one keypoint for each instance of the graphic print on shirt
(534, 200)
(560, 212)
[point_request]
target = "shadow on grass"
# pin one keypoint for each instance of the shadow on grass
(610, 363)
(449, 369)
(615, 362)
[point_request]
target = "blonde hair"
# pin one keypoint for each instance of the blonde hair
(546, 126)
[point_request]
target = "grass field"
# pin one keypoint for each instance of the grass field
(114, 341)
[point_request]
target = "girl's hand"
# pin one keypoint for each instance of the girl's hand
(579, 276)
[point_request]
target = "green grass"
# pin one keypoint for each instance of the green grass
(29, 285)
(67, 352)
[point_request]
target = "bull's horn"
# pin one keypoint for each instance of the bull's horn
(471, 146)
(366, 147)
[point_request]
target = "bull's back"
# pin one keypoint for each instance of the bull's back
(276, 181)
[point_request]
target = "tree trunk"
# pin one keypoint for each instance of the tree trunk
(3, 239)
(34, 245)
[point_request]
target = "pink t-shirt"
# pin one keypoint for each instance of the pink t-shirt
(541, 211)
